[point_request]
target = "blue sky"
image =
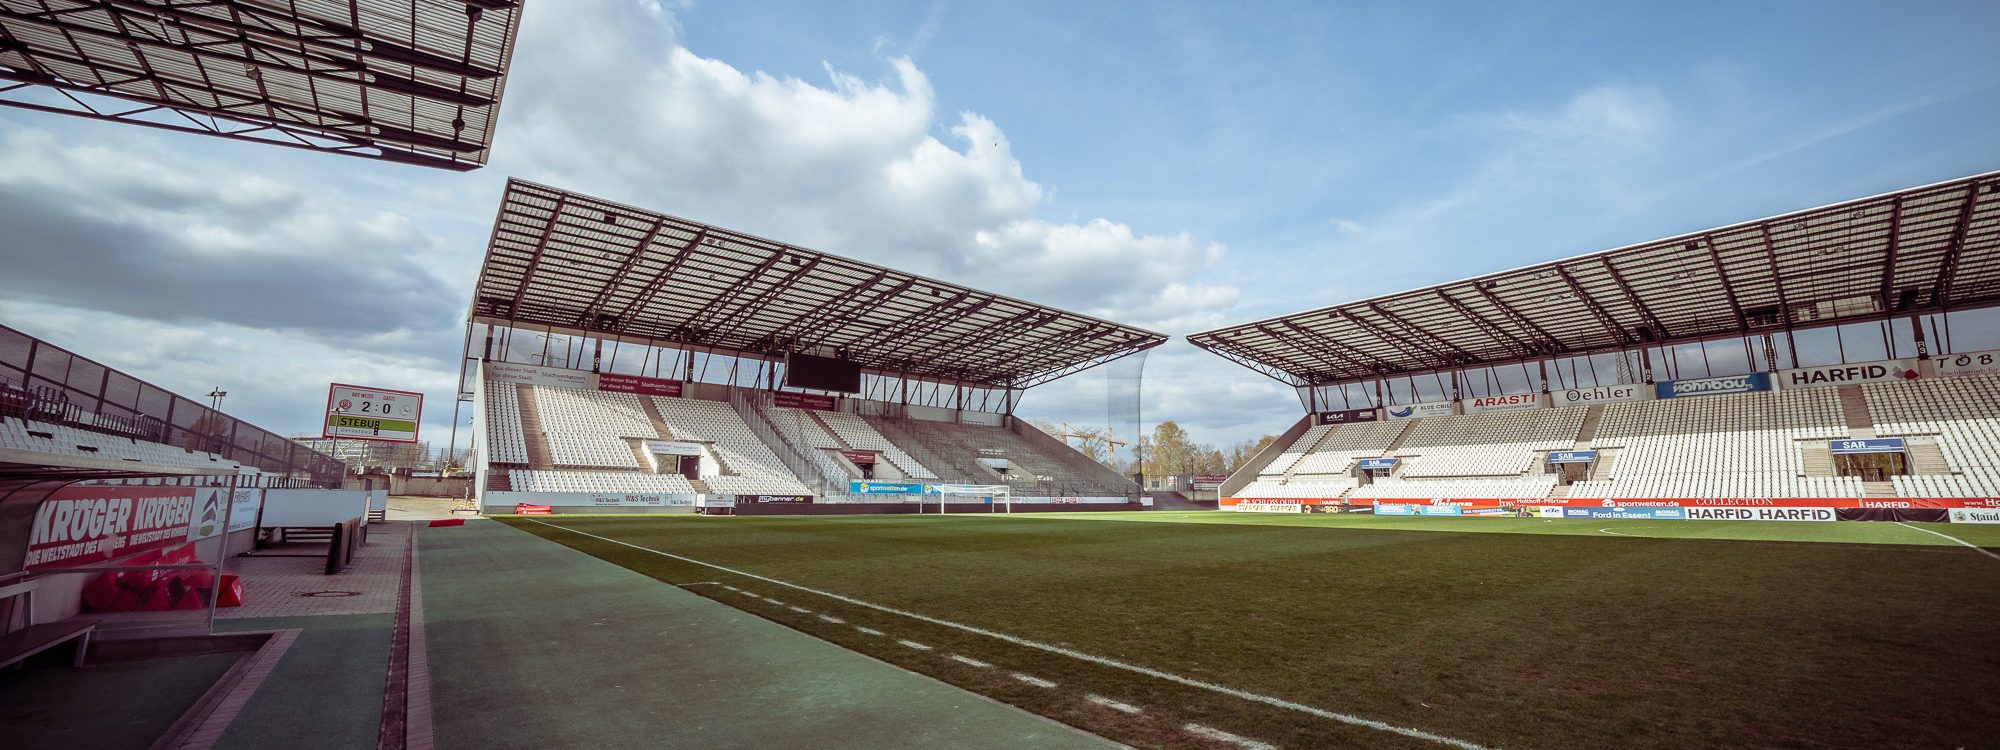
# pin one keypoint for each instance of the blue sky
(1178, 166)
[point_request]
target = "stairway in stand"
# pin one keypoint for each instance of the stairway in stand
(1588, 432)
(1815, 460)
(1878, 489)
(1926, 458)
(646, 460)
(1408, 425)
(659, 422)
(1561, 491)
(1854, 407)
(531, 431)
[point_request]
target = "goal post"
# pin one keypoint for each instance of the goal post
(997, 494)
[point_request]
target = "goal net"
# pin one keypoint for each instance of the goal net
(995, 495)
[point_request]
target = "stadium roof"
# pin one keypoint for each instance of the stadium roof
(1912, 251)
(411, 81)
(572, 262)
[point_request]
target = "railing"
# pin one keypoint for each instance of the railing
(760, 424)
(1066, 457)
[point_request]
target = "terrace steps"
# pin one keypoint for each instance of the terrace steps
(1588, 431)
(659, 422)
(1926, 458)
(1397, 444)
(1601, 468)
(645, 458)
(1816, 460)
(1878, 489)
(531, 431)
(1854, 409)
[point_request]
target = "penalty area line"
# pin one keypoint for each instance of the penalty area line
(1968, 545)
(1060, 650)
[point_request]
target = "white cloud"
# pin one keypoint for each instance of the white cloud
(867, 169)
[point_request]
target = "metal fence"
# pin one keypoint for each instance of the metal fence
(46, 383)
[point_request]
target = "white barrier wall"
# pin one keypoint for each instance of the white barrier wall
(313, 507)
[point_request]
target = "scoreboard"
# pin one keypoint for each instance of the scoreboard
(356, 412)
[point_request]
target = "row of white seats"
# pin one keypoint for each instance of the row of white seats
(797, 427)
(525, 480)
(1296, 490)
(1497, 444)
(505, 442)
(1964, 414)
(1978, 482)
(858, 434)
(18, 434)
(757, 470)
(1746, 485)
(1296, 451)
(1526, 487)
(589, 428)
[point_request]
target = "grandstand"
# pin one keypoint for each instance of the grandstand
(685, 373)
(411, 81)
(1718, 365)
(65, 418)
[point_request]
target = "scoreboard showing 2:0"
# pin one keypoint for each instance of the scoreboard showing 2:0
(356, 412)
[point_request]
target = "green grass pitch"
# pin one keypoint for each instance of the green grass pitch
(1514, 633)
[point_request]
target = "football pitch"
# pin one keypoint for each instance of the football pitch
(1232, 630)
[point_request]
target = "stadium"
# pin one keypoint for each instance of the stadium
(1734, 487)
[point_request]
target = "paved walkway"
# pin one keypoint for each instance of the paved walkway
(291, 581)
(534, 644)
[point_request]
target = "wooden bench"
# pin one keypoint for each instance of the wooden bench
(19, 644)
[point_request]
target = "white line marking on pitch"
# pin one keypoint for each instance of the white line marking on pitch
(915, 645)
(832, 619)
(969, 661)
(1628, 528)
(774, 601)
(752, 594)
(1211, 733)
(700, 583)
(870, 631)
(1113, 705)
(1053, 649)
(1973, 547)
(1033, 680)
(800, 610)
(731, 588)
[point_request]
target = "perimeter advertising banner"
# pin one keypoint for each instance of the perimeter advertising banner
(1752, 383)
(1270, 508)
(1967, 364)
(1418, 411)
(1760, 514)
(1974, 515)
(1831, 376)
(886, 488)
(615, 383)
(86, 525)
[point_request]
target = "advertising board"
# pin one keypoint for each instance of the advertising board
(855, 487)
(1572, 457)
(1270, 508)
(1975, 515)
(551, 377)
(1418, 411)
(1751, 383)
(355, 412)
(1603, 394)
(1348, 416)
(792, 400)
(1967, 364)
(1651, 514)
(859, 457)
(83, 525)
(615, 383)
(673, 448)
(1207, 481)
(773, 499)
(1395, 509)
(1830, 376)
(1382, 464)
(1865, 445)
(1515, 402)
(1759, 514)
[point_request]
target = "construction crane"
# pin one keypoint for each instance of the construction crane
(1109, 438)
